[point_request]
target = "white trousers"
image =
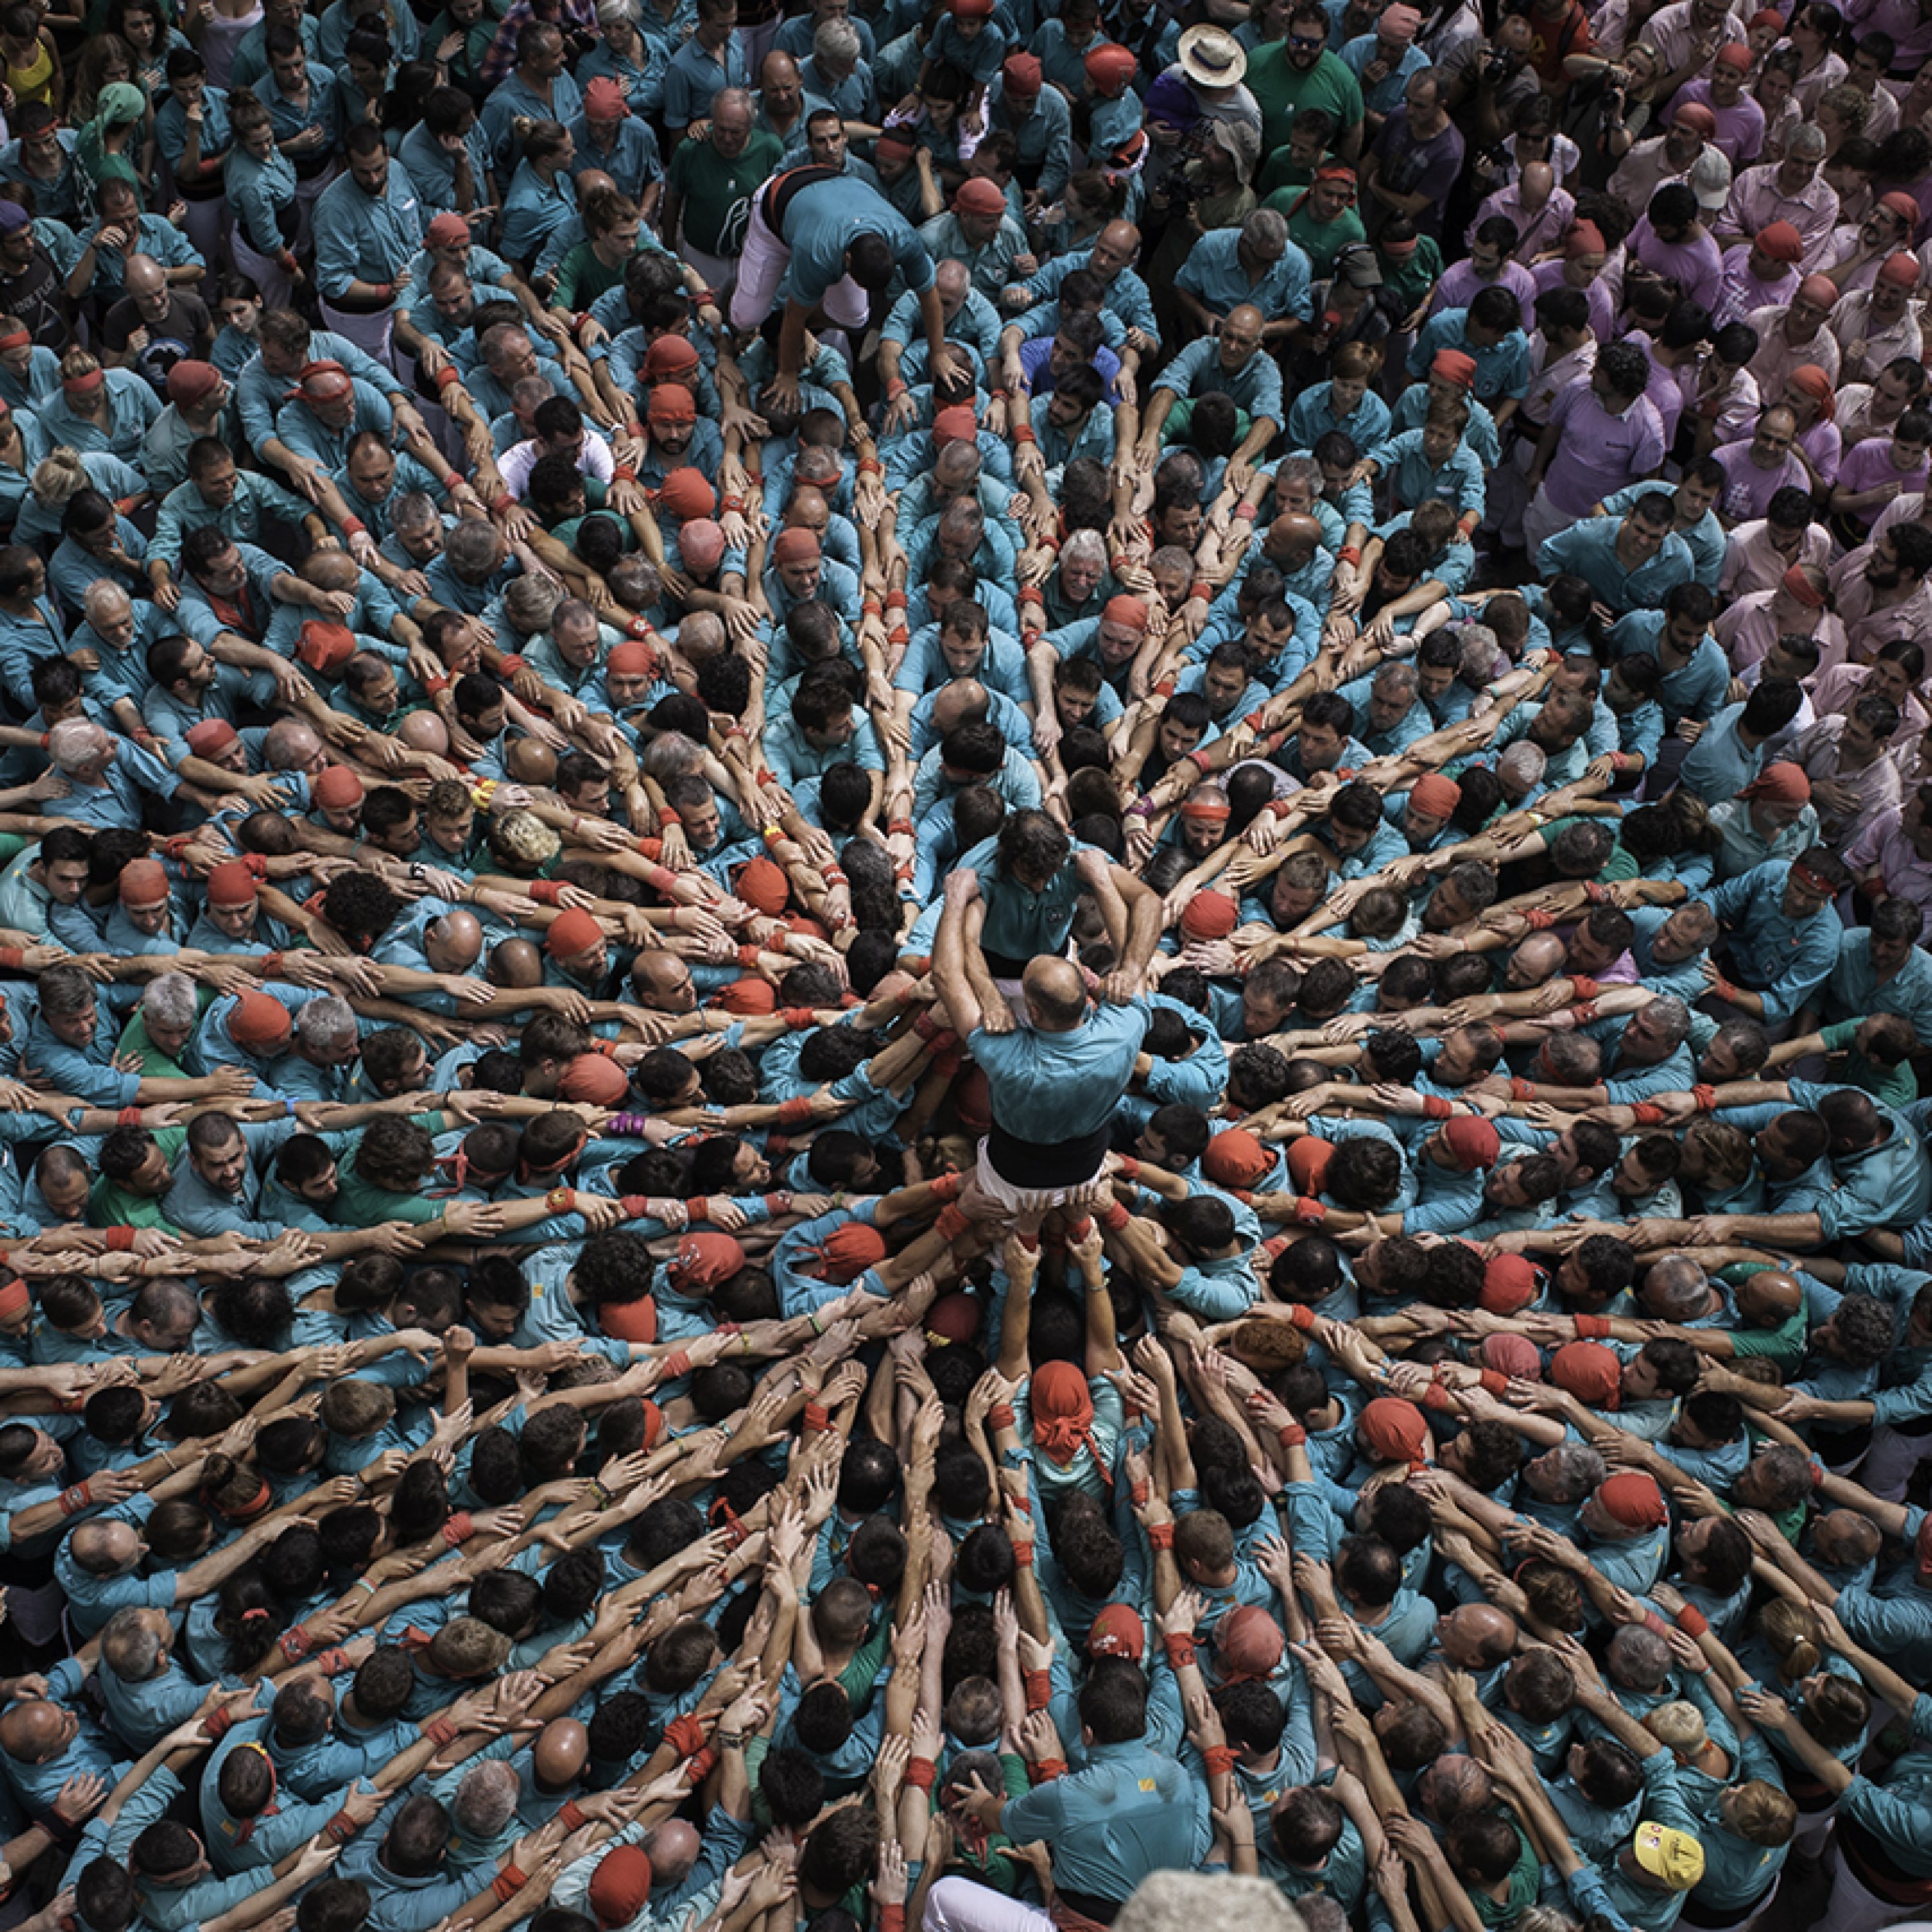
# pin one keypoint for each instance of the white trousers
(1541, 521)
(369, 333)
(1890, 1462)
(1851, 1908)
(269, 276)
(959, 1905)
(762, 267)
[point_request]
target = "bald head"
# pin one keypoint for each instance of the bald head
(663, 983)
(145, 276)
(673, 1850)
(424, 731)
(952, 280)
(516, 965)
(455, 943)
(962, 702)
(1454, 1784)
(34, 1731)
(1537, 959)
(105, 1549)
(1293, 540)
(590, 181)
(1056, 995)
(562, 1750)
(1771, 1294)
(1539, 178)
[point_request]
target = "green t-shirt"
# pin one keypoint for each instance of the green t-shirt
(1281, 92)
(1408, 282)
(1896, 1086)
(1321, 241)
(716, 193)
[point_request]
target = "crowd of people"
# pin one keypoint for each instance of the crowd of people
(964, 965)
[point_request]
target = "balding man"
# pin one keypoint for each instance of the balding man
(1055, 1083)
(1232, 363)
(154, 325)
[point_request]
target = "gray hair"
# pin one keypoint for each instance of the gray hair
(171, 999)
(130, 1647)
(670, 755)
(103, 594)
(415, 510)
(326, 1022)
(1396, 677)
(836, 41)
(1087, 546)
(1807, 141)
(1523, 762)
(1574, 1471)
(474, 548)
(1266, 228)
(76, 741)
(530, 602)
(1671, 1018)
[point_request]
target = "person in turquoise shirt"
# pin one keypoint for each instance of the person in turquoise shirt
(1490, 331)
(1631, 563)
(368, 227)
(1128, 1812)
(1256, 262)
(1781, 935)
(1735, 746)
(1696, 521)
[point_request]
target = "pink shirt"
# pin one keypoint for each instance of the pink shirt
(1747, 489)
(1540, 232)
(1740, 291)
(1906, 875)
(1756, 201)
(1456, 285)
(1869, 463)
(1602, 303)
(1740, 132)
(1776, 357)
(1751, 564)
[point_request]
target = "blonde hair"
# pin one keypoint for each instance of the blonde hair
(58, 477)
(1762, 1813)
(1678, 1726)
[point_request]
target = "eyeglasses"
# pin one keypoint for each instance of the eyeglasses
(1307, 39)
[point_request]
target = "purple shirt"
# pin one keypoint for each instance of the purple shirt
(1603, 309)
(1599, 454)
(1696, 267)
(1430, 167)
(1740, 135)
(1867, 464)
(1747, 489)
(1661, 387)
(1743, 292)
(1456, 285)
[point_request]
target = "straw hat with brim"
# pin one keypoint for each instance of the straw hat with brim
(1212, 56)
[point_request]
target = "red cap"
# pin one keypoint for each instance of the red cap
(1393, 1429)
(231, 884)
(979, 195)
(1510, 1283)
(604, 99)
(688, 493)
(259, 1020)
(1236, 1157)
(1111, 67)
(448, 230)
(620, 1887)
(748, 996)
(211, 735)
(1210, 916)
(1117, 1631)
(1695, 114)
(849, 1251)
(1472, 1141)
(795, 544)
(338, 790)
(1589, 1371)
(1781, 241)
(325, 647)
(1123, 608)
(1901, 271)
(1248, 1642)
(1022, 74)
(190, 384)
(573, 931)
(670, 404)
(1454, 366)
(706, 1259)
(955, 423)
(669, 355)
(632, 658)
(595, 1079)
(1632, 1498)
(764, 887)
(1802, 588)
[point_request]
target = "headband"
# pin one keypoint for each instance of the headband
(84, 385)
(1204, 808)
(19, 339)
(1810, 881)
